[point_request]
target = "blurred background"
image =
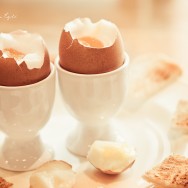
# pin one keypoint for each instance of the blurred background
(146, 25)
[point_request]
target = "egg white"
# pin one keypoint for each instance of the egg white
(103, 30)
(113, 156)
(31, 45)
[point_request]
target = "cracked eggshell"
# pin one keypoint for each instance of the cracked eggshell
(79, 58)
(25, 72)
(111, 157)
(53, 174)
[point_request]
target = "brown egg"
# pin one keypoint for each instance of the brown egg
(24, 59)
(91, 48)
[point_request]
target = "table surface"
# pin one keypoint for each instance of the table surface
(147, 26)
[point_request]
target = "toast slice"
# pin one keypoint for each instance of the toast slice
(180, 119)
(171, 173)
(149, 74)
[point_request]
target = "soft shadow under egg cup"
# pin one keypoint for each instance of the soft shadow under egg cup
(24, 111)
(92, 100)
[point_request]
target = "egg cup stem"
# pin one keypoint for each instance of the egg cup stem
(84, 134)
(23, 154)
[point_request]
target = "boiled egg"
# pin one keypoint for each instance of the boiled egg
(111, 157)
(91, 48)
(24, 58)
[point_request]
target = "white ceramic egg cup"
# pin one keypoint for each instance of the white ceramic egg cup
(24, 111)
(92, 100)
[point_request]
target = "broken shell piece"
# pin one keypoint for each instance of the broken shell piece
(53, 174)
(111, 157)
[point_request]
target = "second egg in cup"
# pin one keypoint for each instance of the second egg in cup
(92, 69)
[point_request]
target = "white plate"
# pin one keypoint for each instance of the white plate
(148, 139)
(148, 130)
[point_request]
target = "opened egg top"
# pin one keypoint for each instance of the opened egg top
(24, 58)
(91, 48)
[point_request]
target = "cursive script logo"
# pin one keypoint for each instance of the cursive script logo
(7, 16)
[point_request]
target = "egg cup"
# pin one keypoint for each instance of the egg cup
(93, 100)
(24, 111)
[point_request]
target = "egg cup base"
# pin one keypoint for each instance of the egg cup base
(24, 155)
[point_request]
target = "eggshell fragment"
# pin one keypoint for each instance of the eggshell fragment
(53, 174)
(14, 74)
(111, 157)
(79, 58)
